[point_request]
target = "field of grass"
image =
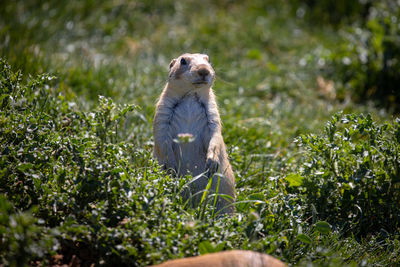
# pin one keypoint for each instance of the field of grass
(77, 180)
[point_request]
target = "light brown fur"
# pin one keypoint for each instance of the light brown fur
(187, 105)
(233, 258)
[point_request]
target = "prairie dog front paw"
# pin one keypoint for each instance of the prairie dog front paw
(212, 166)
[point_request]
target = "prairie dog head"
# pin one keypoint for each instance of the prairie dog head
(191, 71)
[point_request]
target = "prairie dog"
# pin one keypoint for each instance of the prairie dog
(232, 258)
(187, 105)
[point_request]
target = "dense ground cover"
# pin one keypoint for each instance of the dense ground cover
(317, 181)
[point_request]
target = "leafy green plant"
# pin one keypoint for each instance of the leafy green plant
(69, 164)
(23, 237)
(350, 175)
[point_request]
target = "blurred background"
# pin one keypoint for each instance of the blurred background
(283, 67)
(344, 50)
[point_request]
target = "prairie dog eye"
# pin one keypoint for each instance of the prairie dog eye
(183, 61)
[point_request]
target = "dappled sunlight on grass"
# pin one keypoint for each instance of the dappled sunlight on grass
(76, 166)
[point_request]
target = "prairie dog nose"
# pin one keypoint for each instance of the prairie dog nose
(203, 71)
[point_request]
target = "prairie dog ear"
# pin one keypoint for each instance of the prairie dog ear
(172, 63)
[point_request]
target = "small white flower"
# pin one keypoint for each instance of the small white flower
(184, 138)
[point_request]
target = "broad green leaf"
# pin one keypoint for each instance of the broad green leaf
(219, 247)
(294, 179)
(304, 238)
(24, 166)
(206, 247)
(323, 227)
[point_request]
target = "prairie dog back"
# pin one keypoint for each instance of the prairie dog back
(187, 110)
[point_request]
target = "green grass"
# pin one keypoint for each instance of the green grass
(83, 182)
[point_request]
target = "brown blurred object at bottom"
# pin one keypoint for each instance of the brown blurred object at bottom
(232, 258)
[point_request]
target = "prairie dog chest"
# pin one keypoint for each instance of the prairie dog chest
(189, 116)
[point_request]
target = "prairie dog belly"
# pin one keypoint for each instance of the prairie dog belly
(189, 117)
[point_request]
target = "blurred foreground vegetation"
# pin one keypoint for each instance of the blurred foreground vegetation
(308, 94)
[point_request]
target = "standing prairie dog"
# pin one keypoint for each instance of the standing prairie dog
(187, 107)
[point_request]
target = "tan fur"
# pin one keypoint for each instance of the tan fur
(233, 258)
(187, 105)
